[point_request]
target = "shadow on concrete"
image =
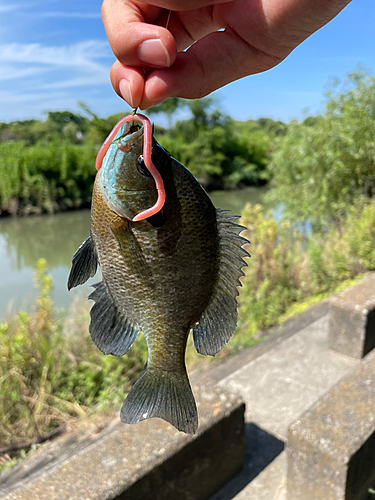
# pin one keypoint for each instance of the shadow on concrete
(261, 449)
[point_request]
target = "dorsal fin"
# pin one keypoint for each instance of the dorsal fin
(84, 264)
(111, 331)
(219, 320)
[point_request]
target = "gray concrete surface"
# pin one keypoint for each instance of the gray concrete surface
(352, 319)
(277, 386)
(331, 447)
(282, 383)
(263, 474)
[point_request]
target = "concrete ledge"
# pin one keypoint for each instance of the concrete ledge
(148, 460)
(352, 319)
(331, 446)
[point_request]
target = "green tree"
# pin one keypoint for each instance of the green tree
(218, 150)
(323, 166)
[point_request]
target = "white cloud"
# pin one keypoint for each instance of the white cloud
(76, 55)
(49, 72)
(70, 15)
(100, 78)
(80, 60)
(8, 7)
(12, 73)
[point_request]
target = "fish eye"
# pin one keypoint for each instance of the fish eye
(141, 167)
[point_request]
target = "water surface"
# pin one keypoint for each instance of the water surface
(56, 237)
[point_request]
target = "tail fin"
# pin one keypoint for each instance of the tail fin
(163, 394)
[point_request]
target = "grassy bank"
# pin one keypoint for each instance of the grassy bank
(46, 177)
(51, 372)
(289, 268)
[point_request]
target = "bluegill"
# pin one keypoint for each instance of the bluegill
(174, 271)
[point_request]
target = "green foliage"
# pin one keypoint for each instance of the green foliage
(327, 163)
(273, 273)
(286, 268)
(46, 173)
(49, 376)
(218, 150)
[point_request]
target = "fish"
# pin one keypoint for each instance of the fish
(168, 268)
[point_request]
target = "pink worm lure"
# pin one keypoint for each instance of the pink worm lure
(147, 145)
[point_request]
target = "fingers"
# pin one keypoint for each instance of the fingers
(129, 83)
(197, 72)
(133, 41)
(138, 44)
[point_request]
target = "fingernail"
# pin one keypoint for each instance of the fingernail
(153, 52)
(126, 92)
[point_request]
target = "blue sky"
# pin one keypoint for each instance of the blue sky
(55, 53)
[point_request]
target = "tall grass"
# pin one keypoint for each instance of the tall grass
(287, 267)
(51, 372)
(41, 176)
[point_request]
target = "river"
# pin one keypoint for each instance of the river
(56, 237)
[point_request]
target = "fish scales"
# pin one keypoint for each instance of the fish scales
(172, 268)
(164, 280)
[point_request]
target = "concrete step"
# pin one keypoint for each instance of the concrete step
(148, 460)
(277, 386)
(282, 383)
(263, 475)
(311, 390)
(331, 446)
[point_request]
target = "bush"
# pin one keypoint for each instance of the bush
(44, 173)
(288, 267)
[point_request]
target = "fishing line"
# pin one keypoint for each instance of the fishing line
(169, 16)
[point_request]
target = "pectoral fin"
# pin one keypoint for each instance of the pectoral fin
(84, 264)
(218, 322)
(111, 331)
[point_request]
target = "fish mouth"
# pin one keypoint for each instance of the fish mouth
(125, 130)
(130, 134)
(127, 134)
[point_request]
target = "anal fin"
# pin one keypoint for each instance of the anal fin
(111, 331)
(84, 264)
(218, 322)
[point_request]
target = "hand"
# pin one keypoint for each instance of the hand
(153, 63)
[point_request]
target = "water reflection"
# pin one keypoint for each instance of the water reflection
(53, 237)
(24, 241)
